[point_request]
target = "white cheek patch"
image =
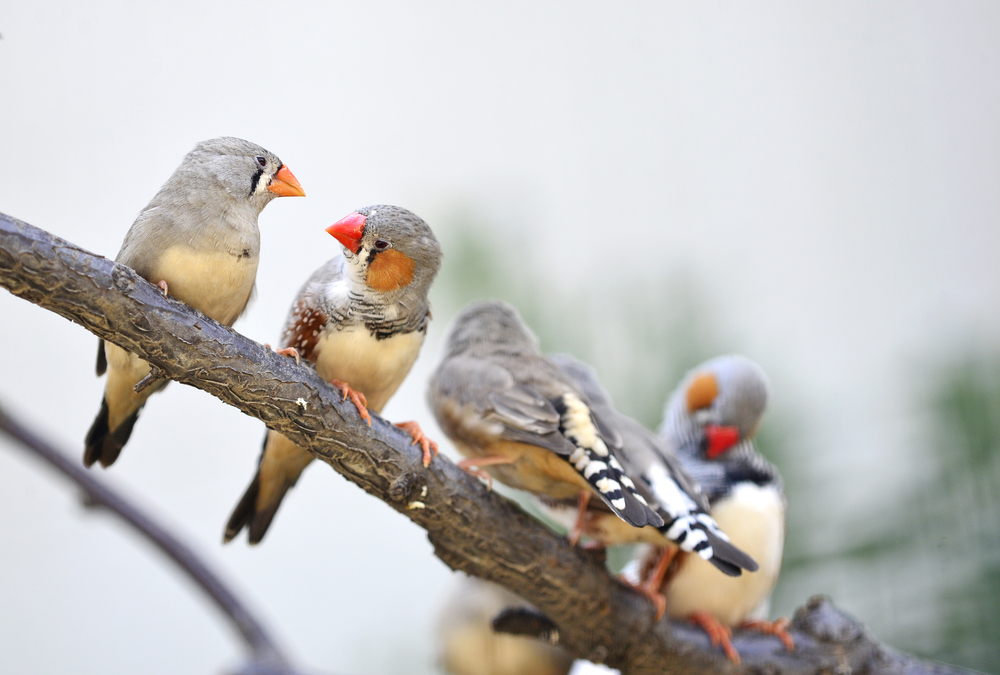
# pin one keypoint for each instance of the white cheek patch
(702, 417)
(263, 183)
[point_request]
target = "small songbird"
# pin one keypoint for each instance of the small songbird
(469, 645)
(513, 412)
(361, 319)
(711, 420)
(198, 241)
(687, 526)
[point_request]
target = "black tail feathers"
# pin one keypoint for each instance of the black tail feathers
(104, 445)
(246, 514)
(698, 533)
(727, 558)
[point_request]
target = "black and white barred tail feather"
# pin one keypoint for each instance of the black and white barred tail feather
(698, 533)
(592, 460)
(687, 525)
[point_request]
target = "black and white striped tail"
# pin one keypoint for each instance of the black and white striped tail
(598, 466)
(698, 533)
(693, 530)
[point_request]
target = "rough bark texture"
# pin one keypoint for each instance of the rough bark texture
(471, 529)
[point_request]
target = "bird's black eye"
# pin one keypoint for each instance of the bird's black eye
(261, 160)
(381, 244)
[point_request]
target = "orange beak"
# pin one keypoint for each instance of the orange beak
(284, 184)
(348, 231)
(720, 439)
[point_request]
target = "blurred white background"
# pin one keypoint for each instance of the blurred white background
(816, 186)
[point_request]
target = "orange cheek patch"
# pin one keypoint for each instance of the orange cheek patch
(702, 392)
(390, 270)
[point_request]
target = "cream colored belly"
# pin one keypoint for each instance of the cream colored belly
(124, 370)
(376, 368)
(754, 519)
(218, 283)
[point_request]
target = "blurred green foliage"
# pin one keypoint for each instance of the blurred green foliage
(961, 507)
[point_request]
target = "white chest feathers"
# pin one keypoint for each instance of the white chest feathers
(218, 283)
(754, 519)
(376, 368)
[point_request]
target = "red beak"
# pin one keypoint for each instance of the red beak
(720, 439)
(348, 231)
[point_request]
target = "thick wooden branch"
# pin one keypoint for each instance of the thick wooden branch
(471, 529)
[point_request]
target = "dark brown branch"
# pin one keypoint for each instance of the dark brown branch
(471, 529)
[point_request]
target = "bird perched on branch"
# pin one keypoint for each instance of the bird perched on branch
(468, 643)
(710, 420)
(198, 241)
(678, 499)
(361, 319)
(514, 413)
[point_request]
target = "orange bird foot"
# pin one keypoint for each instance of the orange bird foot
(719, 634)
(650, 592)
(357, 398)
(287, 351)
(777, 628)
(163, 286)
(427, 445)
(471, 465)
(581, 517)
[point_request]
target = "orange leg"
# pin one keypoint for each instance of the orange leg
(778, 628)
(357, 398)
(426, 444)
(581, 516)
(163, 286)
(655, 597)
(651, 587)
(472, 464)
(287, 351)
(717, 633)
(655, 580)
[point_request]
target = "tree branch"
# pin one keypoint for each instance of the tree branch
(471, 529)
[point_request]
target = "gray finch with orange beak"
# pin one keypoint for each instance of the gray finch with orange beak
(198, 241)
(360, 319)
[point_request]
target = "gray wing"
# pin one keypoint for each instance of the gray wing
(490, 391)
(137, 251)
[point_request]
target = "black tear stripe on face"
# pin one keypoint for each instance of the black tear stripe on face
(254, 181)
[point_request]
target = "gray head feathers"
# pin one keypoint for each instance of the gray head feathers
(395, 228)
(490, 326)
(239, 168)
(743, 392)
